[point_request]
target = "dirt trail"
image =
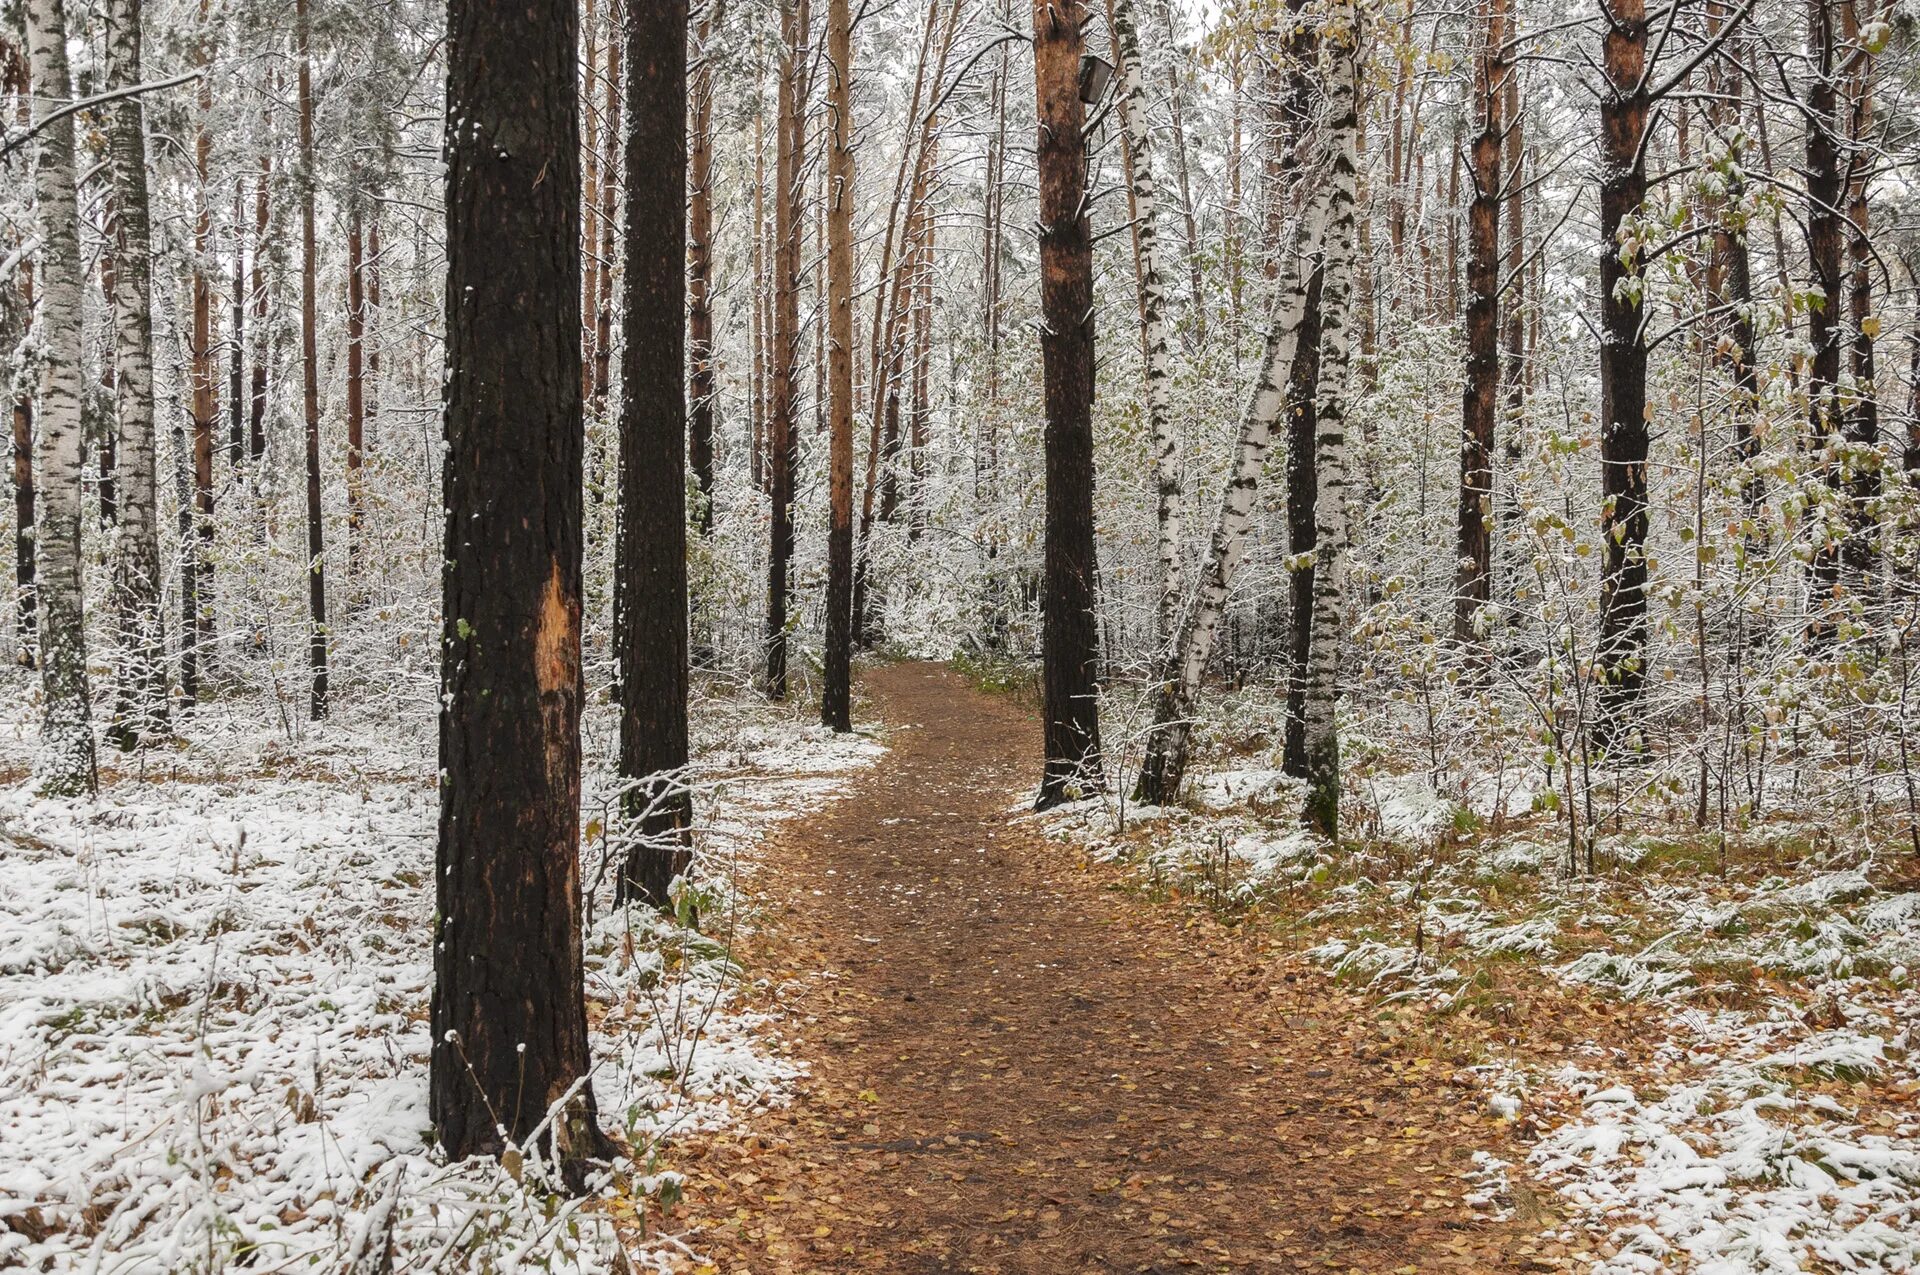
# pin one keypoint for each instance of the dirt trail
(1019, 1066)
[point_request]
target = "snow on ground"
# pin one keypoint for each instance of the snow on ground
(213, 1002)
(1771, 1126)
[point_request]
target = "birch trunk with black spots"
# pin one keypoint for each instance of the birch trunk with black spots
(1169, 483)
(1178, 682)
(140, 673)
(66, 764)
(1330, 439)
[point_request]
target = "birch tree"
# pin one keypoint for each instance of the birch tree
(1130, 104)
(1337, 316)
(66, 762)
(140, 673)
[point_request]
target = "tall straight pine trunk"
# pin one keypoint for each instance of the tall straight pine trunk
(310, 377)
(783, 436)
(1480, 399)
(1070, 638)
(66, 762)
(140, 674)
(1624, 113)
(653, 459)
(836, 695)
(700, 347)
(509, 1028)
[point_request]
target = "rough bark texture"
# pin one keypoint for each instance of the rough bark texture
(262, 222)
(836, 694)
(1623, 374)
(1480, 399)
(653, 459)
(701, 387)
(66, 761)
(140, 673)
(310, 383)
(196, 555)
(509, 1020)
(783, 441)
(1070, 639)
(1863, 409)
(1337, 315)
(1826, 248)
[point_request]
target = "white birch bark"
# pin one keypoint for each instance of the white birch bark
(66, 763)
(1330, 438)
(140, 693)
(1185, 660)
(1169, 482)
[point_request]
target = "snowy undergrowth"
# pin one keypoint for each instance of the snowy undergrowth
(213, 1001)
(1769, 1124)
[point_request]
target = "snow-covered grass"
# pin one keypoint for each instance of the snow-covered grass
(213, 1000)
(1762, 1118)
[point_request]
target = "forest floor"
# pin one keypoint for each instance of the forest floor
(1020, 1062)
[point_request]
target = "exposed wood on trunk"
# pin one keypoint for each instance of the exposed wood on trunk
(509, 1031)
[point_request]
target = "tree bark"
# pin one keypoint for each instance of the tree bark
(310, 382)
(836, 695)
(1624, 107)
(140, 682)
(1826, 251)
(1177, 680)
(783, 436)
(356, 390)
(1480, 399)
(257, 423)
(1169, 483)
(1070, 639)
(66, 761)
(701, 387)
(653, 460)
(509, 1022)
(1862, 409)
(1337, 314)
(196, 550)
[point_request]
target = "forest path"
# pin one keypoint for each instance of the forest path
(1018, 1065)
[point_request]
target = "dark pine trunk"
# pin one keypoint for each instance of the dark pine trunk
(783, 436)
(509, 1021)
(310, 385)
(1623, 375)
(1070, 643)
(653, 460)
(1480, 399)
(1825, 254)
(700, 390)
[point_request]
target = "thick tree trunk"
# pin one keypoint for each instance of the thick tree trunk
(66, 761)
(1303, 395)
(701, 388)
(653, 459)
(1070, 641)
(783, 436)
(509, 1023)
(609, 221)
(1480, 400)
(1177, 681)
(1624, 107)
(310, 380)
(1337, 315)
(140, 676)
(836, 695)
(1169, 483)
